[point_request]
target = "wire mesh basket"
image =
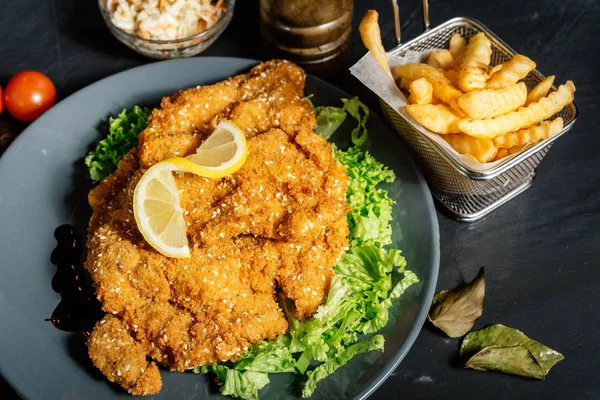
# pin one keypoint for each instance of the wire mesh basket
(467, 194)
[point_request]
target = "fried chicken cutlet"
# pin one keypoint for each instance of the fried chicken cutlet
(278, 224)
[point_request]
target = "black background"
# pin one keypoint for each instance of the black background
(541, 251)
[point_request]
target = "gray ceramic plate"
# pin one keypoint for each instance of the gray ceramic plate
(43, 185)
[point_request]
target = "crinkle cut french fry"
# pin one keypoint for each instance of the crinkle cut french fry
(445, 59)
(540, 90)
(409, 72)
(507, 152)
(431, 59)
(438, 118)
(501, 154)
(533, 134)
(511, 72)
(452, 76)
(457, 47)
(421, 91)
(371, 37)
(473, 66)
(495, 69)
(442, 87)
(456, 108)
(481, 150)
(523, 117)
(489, 103)
(515, 149)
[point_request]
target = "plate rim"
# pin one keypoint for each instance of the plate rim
(429, 287)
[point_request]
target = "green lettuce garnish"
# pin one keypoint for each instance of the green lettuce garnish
(330, 366)
(360, 113)
(330, 118)
(249, 374)
(371, 208)
(238, 384)
(122, 136)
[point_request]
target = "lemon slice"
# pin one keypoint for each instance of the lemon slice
(221, 154)
(156, 207)
(157, 212)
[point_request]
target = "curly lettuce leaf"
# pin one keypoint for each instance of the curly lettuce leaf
(123, 134)
(268, 356)
(330, 118)
(237, 384)
(368, 269)
(244, 378)
(371, 208)
(360, 113)
(324, 370)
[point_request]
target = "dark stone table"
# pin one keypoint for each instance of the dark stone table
(541, 251)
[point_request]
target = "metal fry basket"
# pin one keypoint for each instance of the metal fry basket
(469, 195)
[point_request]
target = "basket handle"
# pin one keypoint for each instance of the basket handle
(397, 30)
(396, 12)
(425, 15)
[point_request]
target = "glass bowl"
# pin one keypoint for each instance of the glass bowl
(166, 49)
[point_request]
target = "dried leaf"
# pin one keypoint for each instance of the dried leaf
(455, 311)
(482, 347)
(516, 360)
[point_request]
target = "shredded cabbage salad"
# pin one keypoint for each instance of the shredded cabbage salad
(164, 19)
(368, 277)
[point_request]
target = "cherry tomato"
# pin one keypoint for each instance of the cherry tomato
(28, 95)
(1, 101)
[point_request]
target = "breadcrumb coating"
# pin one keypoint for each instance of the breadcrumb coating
(276, 225)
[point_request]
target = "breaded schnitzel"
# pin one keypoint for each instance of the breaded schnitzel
(279, 223)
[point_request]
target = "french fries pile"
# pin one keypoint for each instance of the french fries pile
(482, 111)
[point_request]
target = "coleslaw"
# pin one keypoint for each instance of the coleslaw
(164, 19)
